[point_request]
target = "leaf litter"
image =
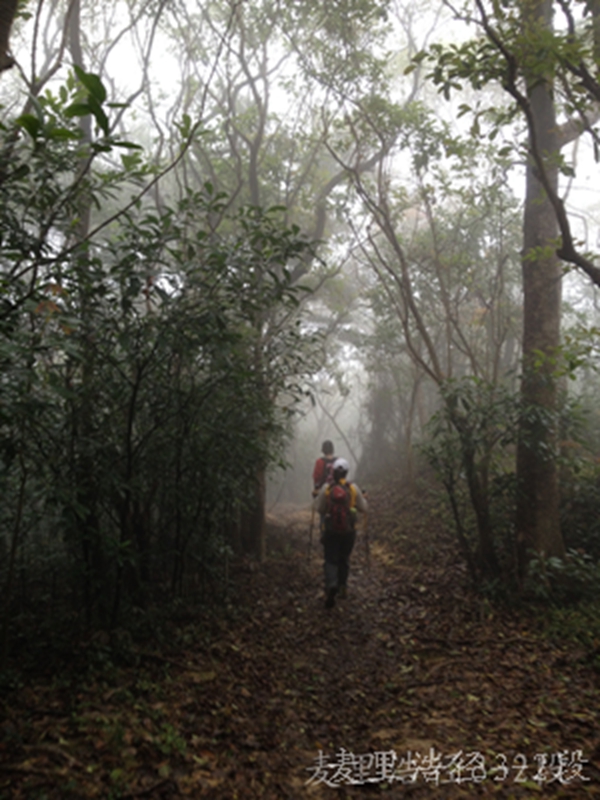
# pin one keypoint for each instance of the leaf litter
(410, 687)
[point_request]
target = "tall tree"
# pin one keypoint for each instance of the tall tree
(267, 117)
(548, 74)
(538, 518)
(444, 251)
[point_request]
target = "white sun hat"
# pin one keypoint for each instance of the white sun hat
(340, 464)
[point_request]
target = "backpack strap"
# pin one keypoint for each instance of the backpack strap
(352, 494)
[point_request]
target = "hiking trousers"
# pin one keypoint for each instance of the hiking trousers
(337, 547)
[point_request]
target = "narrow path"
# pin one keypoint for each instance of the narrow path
(408, 678)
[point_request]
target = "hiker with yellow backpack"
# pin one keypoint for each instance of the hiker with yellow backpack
(338, 503)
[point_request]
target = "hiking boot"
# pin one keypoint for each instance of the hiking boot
(343, 592)
(331, 593)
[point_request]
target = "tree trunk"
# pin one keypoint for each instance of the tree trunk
(96, 562)
(538, 527)
(8, 10)
(253, 528)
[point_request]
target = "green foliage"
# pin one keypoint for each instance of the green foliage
(577, 624)
(573, 579)
(338, 40)
(565, 581)
(469, 444)
(526, 43)
(459, 233)
(580, 477)
(580, 513)
(148, 371)
(516, 47)
(579, 350)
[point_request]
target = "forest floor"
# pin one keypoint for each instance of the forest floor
(410, 687)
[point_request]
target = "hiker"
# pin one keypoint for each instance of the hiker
(323, 471)
(338, 504)
(322, 474)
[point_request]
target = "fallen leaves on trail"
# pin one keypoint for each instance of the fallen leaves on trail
(409, 687)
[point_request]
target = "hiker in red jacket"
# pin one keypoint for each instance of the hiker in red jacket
(323, 474)
(323, 471)
(338, 503)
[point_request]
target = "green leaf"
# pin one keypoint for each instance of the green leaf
(130, 162)
(77, 110)
(64, 134)
(30, 123)
(99, 115)
(22, 171)
(185, 126)
(92, 83)
(128, 145)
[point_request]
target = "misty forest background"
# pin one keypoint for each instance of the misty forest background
(230, 230)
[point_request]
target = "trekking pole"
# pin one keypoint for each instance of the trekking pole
(367, 543)
(366, 533)
(310, 530)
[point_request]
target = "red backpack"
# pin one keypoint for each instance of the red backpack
(338, 515)
(326, 472)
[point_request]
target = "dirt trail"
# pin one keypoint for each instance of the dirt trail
(409, 687)
(408, 664)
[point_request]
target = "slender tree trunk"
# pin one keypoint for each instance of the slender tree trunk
(253, 528)
(8, 9)
(96, 567)
(12, 560)
(538, 528)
